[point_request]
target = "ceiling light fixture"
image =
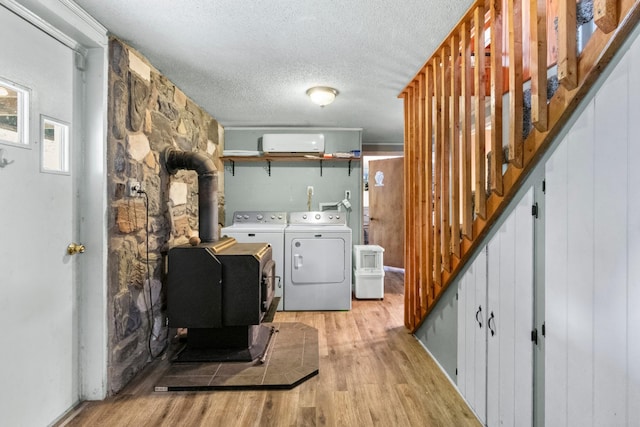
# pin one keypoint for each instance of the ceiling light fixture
(322, 95)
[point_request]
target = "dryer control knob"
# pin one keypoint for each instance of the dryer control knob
(273, 217)
(330, 216)
(238, 216)
(337, 216)
(246, 217)
(304, 216)
(259, 217)
(317, 216)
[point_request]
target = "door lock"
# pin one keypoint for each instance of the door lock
(75, 248)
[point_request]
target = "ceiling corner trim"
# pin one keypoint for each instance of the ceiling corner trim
(81, 19)
(72, 15)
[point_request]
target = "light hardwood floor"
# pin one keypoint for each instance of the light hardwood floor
(372, 372)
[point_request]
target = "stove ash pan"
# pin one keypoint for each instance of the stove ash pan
(220, 284)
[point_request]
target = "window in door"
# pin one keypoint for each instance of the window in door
(55, 146)
(14, 113)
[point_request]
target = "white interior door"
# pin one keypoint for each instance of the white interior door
(39, 369)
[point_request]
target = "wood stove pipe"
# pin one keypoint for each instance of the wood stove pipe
(207, 187)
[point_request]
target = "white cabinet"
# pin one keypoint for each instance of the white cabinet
(472, 335)
(510, 321)
(495, 320)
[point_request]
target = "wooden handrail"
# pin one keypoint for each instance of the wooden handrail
(454, 189)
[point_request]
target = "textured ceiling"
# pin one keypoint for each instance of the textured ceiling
(249, 63)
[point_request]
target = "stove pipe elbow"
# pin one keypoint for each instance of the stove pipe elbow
(176, 160)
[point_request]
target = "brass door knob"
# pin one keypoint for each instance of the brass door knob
(75, 248)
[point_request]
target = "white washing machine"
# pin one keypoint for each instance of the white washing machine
(317, 261)
(262, 227)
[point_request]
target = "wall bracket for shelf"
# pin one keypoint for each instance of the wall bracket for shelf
(349, 167)
(269, 167)
(320, 167)
(233, 168)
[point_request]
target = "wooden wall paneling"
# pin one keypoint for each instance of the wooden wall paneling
(455, 144)
(421, 217)
(428, 160)
(610, 243)
(445, 144)
(527, 43)
(567, 44)
(633, 228)
(466, 87)
(479, 111)
(555, 280)
(580, 261)
(415, 262)
(552, 39)
(412, 272)
(411, 208)
(407, 147)
(495, 173)
(515, 83)
(605, 15)
(437, 230)
(538, 25)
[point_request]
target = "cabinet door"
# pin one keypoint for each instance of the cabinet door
(479, 324)
(472, 335)
(510, 321)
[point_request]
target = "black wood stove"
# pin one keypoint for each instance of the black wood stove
(220, 290)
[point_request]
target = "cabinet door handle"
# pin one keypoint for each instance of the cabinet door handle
(491, 317)
(477, 314)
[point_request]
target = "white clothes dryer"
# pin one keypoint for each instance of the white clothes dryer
(262, 227)
(317, 262)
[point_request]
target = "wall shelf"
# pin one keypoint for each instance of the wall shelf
(269, 159)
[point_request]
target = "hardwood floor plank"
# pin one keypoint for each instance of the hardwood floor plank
(306, 417)
(372, 372)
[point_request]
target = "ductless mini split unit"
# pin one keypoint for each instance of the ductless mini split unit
(287, 144)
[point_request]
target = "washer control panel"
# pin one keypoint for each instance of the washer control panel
(259, 217)
(318, 218)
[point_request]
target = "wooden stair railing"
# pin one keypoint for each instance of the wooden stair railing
(453, 193)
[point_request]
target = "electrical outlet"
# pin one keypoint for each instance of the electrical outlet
(347, 194)
(310, 190)
(134, 187)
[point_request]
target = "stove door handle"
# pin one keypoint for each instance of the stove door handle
(297, 261)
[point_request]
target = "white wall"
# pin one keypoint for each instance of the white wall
(592, 256)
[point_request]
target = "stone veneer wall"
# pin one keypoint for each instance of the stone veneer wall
(147, 113)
